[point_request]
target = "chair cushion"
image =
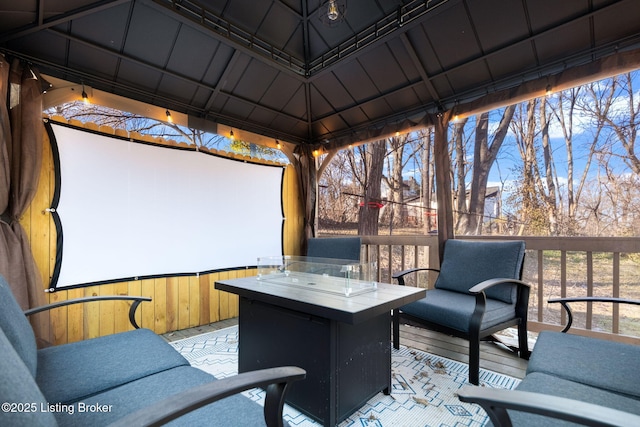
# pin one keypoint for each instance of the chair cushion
(17, 328)
(595, 362)
(235, 410)
(346, 248)
(454, 310)
(17, 386)
(538, 382)
(74, 371)
(466, 263)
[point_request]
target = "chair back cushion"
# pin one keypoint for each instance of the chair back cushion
(468, 262)
(18, 387)
(17, 328)
(345, 248)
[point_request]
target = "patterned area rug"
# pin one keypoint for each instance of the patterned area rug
(423, 393)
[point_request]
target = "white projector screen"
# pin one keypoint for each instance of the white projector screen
(128, 210)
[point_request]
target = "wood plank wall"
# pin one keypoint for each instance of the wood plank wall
(178, 302)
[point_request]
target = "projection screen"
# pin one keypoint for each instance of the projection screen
(129, 210)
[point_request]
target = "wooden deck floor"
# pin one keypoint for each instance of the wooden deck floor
(493, 357)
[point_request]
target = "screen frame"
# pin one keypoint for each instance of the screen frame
(271, 175)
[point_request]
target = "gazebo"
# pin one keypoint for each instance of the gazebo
(304, 76)
(318, 75)
(292, 72)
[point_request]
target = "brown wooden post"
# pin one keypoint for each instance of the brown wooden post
(443, 179)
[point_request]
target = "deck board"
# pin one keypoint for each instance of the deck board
(493, 357)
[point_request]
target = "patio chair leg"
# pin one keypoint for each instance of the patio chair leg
(474, 361)
(395, 320)
(523, 342)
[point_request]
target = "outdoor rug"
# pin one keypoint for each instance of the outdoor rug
(423, 393)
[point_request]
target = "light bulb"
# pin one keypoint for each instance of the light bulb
(332, 10)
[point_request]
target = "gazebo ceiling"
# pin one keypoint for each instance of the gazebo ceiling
(273, 68)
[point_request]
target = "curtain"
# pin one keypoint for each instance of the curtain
(306, 169)
(21, 136)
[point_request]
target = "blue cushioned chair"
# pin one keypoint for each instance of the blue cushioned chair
(581, 379)
(131, 378)
(345, 248)
(478, 292)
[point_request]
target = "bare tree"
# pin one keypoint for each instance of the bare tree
(619, 210)
(569, 104)
(105, 116)
(338, 192)
(367, 162)
(484, 157)
(394, 180)
(459, 170)
(402, 150)
(549, 196)
(531, 206)
(624, 122)
(421, 143)
(427, 177)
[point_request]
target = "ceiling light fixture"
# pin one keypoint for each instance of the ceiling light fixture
(169, 118)
(85, 97)
(278, 146)
(332, 12)
(231, 137)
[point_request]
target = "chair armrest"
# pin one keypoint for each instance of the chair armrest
(565, 303)
(521, 307)
(132, 309)
(483, 286)
(399, 276)
(274, 380)
(495, 402)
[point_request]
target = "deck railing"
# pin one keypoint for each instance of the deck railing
(555, 267)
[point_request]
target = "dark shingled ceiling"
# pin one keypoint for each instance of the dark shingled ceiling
(271, 67)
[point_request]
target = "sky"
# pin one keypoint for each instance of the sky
(504, 170)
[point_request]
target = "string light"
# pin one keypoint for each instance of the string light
(169, 118)
(278, 146)
(231, 135)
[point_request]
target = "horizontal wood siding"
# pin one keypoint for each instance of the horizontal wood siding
(177, 302)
